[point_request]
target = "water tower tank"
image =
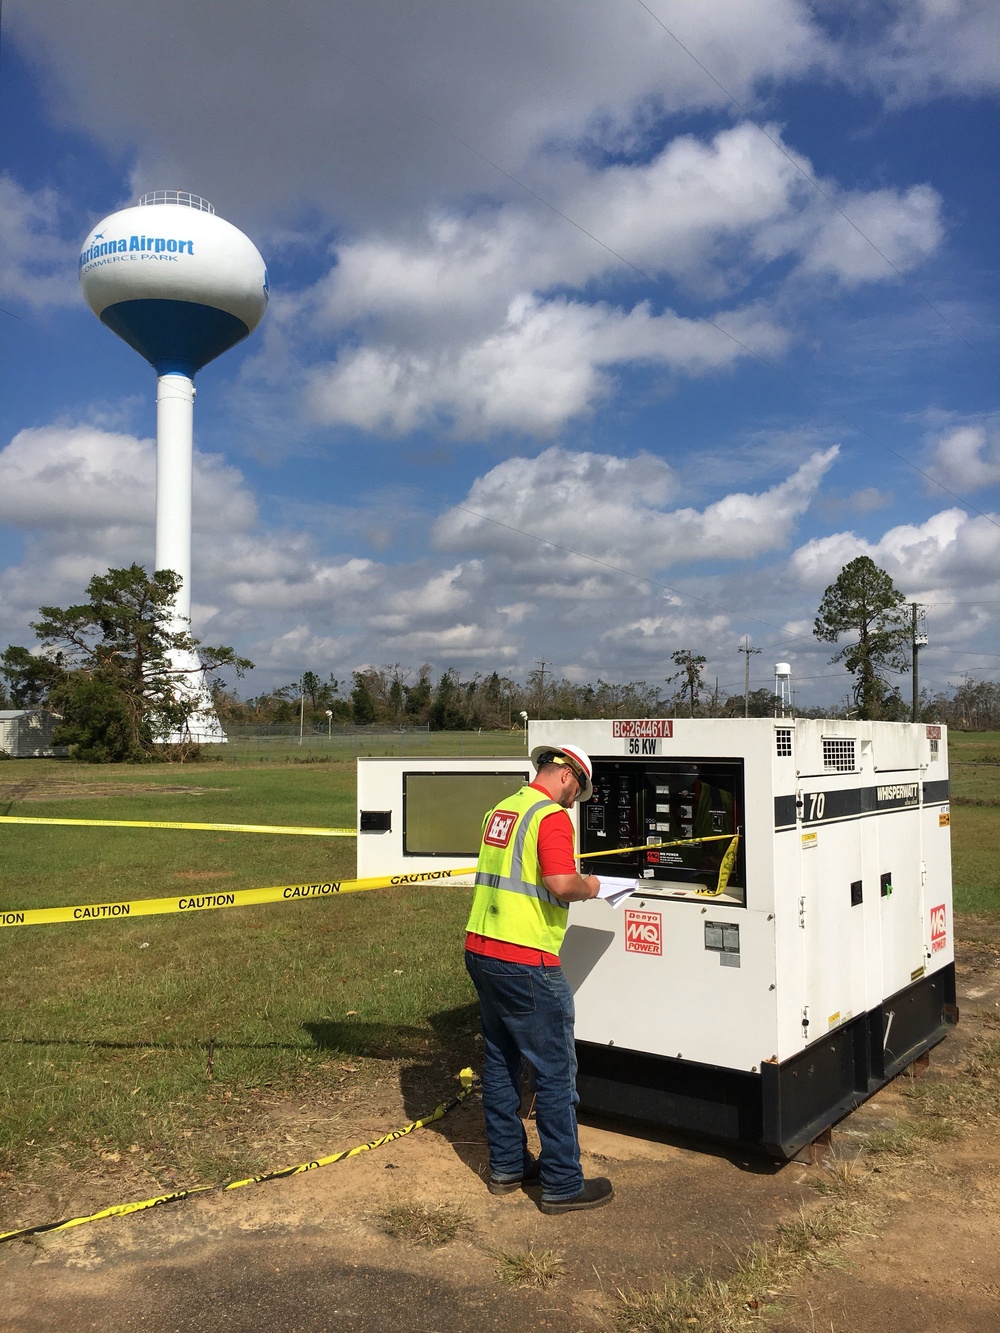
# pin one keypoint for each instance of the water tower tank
(178, 283)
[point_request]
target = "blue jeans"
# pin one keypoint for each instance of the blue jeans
(527, 1014)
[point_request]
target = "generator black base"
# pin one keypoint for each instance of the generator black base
(782, 1107)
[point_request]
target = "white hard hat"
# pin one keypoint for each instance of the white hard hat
(579, 761)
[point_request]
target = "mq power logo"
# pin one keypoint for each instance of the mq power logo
(939, 928)
(643, 932)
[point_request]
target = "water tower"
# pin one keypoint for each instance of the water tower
(782, 688)
(181, 286)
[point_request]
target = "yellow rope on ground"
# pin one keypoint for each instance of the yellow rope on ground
(123, 1209)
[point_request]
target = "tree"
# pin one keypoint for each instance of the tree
(113, 668)
(312, 688)
(446, 712)
(363, 699)
(865, 602)
(689, 674)
(29, 676)
(759, 703)
(418, 696)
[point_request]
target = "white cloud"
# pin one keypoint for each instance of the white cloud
(546, 364)
(951, 553)
(84, 477)
(903, 226)
(616, 510)
(932, 48)
(455, 645)
(967, 458)
(453, 324)
(36, 265)
(438, 599)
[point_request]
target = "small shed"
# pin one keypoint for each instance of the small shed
(26, 733)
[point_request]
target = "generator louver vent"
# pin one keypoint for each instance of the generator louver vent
(838, 756)
(783, 742)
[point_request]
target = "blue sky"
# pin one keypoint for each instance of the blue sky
(583, 346)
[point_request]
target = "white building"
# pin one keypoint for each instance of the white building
(26, 733)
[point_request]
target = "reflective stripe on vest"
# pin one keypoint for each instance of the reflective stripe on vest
(511, 902)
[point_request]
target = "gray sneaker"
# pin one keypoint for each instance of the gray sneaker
(595, 1194)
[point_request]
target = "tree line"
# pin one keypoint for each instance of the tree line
(113, 668)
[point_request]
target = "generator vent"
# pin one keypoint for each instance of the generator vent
(783, 742)
(838, 755)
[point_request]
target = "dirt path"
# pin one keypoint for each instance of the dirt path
(312, 1254)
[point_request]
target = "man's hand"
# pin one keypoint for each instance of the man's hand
(572, 888)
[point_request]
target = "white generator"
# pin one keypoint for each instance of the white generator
(758, 1002)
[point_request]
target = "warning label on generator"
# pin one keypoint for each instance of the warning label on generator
(643, 932)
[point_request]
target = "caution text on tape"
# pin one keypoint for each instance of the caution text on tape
(205, 902)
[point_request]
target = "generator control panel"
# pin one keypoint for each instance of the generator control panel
(649, 805)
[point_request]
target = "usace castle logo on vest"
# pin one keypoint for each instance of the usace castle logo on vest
(500, 827)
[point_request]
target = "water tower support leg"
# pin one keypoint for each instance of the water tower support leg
(174, 453)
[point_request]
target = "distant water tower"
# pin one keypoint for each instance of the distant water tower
(782, 688)
(181, 286)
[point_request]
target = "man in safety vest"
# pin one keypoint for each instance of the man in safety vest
(526, 878)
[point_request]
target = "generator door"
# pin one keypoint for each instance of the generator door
(655, 806)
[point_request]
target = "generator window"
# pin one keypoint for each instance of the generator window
(783, 742)
(443, 812)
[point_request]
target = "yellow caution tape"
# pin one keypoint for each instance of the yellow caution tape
(204, 902)
(209, 828)
(656, 846)
(123, 1209)
(725, 870)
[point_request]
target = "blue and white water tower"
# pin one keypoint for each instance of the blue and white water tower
(181, 286)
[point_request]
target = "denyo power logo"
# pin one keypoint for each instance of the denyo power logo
(643, 932)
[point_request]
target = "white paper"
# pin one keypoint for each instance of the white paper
(614, 891)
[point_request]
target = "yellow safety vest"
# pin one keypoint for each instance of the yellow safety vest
(511, 902)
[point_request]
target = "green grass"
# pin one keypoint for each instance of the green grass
(106, 1028)
(969, 746)
(975, 823)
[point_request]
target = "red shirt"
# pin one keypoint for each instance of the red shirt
(555, 857)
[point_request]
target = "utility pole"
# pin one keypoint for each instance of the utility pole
(540, 700)
(746, 673)
(918, 640)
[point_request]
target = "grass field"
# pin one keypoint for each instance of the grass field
(162, 1040)
(106, 1029)
(975, 819)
